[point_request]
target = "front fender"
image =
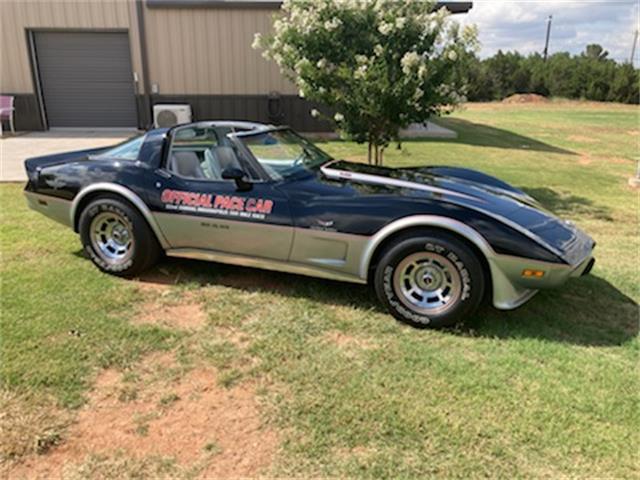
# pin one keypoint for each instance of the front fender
(510, 289)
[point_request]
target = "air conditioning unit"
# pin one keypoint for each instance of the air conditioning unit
(168, 115)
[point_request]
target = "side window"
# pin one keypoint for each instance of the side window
(202, 153)
(128, 150)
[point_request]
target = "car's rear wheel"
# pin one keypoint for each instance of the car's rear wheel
(117, 238)
(430, 280)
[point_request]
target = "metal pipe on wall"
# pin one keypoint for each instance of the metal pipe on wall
(146, 120)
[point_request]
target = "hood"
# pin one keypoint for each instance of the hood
(473, 190)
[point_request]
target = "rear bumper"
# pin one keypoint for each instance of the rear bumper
(55, 208)
(511, 289)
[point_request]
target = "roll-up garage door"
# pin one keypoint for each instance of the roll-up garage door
(86, 79)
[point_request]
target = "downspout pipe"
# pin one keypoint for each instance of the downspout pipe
(147, 121)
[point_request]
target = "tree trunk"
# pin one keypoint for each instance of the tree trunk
(375, 152)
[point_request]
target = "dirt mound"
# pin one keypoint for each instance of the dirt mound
(526, 98)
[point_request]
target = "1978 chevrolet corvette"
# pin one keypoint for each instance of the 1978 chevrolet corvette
(432, 241)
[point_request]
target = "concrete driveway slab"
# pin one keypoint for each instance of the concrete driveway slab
(15, 149)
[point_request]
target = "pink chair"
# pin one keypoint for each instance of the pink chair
(6, 111)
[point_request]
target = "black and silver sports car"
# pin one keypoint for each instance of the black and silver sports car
(432, 241)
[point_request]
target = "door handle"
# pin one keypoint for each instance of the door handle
(163, 173)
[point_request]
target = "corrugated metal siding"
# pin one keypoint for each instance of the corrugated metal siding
(191, 51)
(208, 51)
(18, 16)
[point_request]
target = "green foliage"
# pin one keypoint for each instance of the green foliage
(590, 76)
(379, 65)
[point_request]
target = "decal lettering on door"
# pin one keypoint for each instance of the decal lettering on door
(230, 205)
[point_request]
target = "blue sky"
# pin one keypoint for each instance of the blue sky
(521, 25)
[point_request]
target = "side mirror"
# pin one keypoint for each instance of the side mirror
(237, 176)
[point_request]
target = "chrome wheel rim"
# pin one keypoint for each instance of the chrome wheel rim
(112, 237)
(427, 283)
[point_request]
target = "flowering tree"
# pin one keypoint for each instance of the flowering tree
(379, 64)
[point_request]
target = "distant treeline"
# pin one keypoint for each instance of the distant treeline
(589, 75)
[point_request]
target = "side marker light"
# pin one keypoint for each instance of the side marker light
(528, 273)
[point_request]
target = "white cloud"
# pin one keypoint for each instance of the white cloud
(521, 25)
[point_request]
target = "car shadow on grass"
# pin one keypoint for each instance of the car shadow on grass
(586, 311)
(481, 135)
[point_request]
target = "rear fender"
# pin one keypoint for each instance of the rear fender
(91, 191)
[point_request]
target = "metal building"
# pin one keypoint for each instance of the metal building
(104, 63)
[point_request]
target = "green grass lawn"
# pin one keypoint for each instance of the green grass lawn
(550, 389)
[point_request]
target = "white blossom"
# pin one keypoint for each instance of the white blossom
(332, 24)
(452, 55)
(360, 72)
(422, 71)
(301, 64)
(400, 22)
(385, 28)
(301, 93)
(409, 60)
(322, 63)
(378, 49)
(279, 26)
(470, 33)
(315, 113)
(257, 41)
(361, 59)
(338, 117)
(379, 6)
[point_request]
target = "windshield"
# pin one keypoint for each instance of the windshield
(128, 150)
(283, 153)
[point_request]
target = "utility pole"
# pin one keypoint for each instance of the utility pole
(633, 47)
(546, 43)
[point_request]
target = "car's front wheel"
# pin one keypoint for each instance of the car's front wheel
(430, 280)
(117, 238)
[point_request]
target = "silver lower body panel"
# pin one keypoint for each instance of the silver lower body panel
(511, 289)
(264, 263)
(55, 208)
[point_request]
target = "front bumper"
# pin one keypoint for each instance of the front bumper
(511, 289)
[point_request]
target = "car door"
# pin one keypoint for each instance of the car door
(197, 209)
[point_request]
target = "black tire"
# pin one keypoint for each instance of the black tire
(143, 250)
(447, 263)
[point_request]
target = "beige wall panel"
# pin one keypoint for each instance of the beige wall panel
(18, 16)
(208, 52)
(191, 51)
